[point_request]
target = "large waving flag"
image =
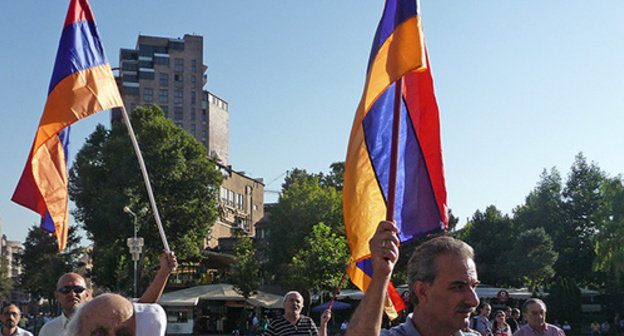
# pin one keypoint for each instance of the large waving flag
(398, 51)
(82, 84)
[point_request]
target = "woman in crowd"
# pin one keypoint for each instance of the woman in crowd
(499, 326)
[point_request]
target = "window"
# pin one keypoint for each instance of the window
(224, 195)
(192, 97)
(193, 130)
(166, 110)
(178, 96)
(178, 81)
(193, 80)
(178, 113)
(148, 95)
(179, 65)
(231, 197)
(164, 79)
(130, 66)
(192, 114)
(178, 124)
(240, 201)
(161, 60)
(163, 96)
(193, 65)
(146, 74)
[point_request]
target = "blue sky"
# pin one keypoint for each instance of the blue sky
(521, 85)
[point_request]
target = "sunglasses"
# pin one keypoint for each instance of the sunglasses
(67, 289)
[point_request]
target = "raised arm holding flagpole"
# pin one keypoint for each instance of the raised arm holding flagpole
(394, 166)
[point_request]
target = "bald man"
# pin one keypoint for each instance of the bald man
(72, 291)
(114, 315)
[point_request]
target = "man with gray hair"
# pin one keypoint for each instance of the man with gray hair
(292, 323)
(442, 280)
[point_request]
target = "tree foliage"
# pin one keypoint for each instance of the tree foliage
(538, 257)
(43, 264)
(304, 203)
(106, 177)
(321, 261)
(245, 272)
(490, 233)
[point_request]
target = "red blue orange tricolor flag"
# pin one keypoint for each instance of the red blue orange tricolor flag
(82, 84)
(398, 51)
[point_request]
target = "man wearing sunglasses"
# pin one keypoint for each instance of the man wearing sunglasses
(72, 291)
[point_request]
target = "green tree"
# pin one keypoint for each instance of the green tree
(335, 178)
(43, 264)
(321, 261)
(609, 248)
(537, 258)
(304, 202)
(245, 272)
(490, 233)
(106, 177)
(583, 203)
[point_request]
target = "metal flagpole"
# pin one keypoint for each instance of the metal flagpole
(145, 178)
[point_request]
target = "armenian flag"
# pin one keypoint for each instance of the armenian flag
(398, 51)
(82, 84)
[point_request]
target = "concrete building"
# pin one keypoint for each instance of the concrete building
(11, 251)
(241, 206)
(170, 72)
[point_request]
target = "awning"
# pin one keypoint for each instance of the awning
(218, 292)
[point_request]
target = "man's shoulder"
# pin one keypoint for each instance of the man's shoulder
(23, 332)
(554, 328)
(52, 327)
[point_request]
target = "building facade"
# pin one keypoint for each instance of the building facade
(241, 206)
(170, 73)
(11, 250)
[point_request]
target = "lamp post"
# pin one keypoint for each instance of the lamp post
(135, 244)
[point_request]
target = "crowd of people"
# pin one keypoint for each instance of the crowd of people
(442, 280)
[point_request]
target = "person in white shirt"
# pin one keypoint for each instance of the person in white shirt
(11, 315)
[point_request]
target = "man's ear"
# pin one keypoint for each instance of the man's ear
(421, 290)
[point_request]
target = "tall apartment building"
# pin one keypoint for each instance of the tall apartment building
(170, 72)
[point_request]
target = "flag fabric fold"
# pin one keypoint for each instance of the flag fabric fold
(398, 51)
(82, 84)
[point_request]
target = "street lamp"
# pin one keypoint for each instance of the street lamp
(135, 244)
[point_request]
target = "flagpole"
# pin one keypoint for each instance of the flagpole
(394, 151)
(148, 186)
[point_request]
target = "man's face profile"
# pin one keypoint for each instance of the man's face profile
(451, 298)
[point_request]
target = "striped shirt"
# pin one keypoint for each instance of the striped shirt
(281, 327)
